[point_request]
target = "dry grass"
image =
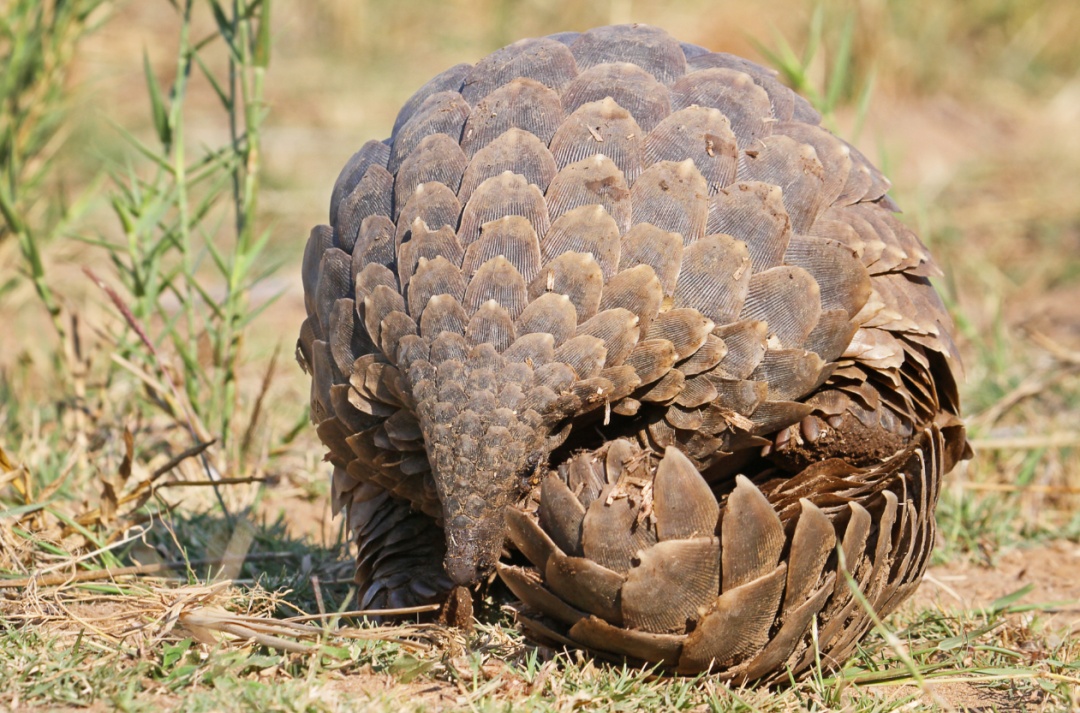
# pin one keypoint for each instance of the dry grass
(126, 583)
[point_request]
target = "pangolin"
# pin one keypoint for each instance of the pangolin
(619, 311)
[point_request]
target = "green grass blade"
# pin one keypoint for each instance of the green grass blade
(159, 110)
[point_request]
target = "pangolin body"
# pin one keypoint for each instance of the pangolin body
(625, 302)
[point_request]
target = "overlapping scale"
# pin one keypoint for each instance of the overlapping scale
(600, 128)
(744, 103)
(649, 48)
(543, 60)
(592, 235)
(523, 104)
(627, 85)
(700, 134)
(692, 601)
(441, 113)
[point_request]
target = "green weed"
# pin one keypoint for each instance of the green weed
(37, 47)
(191, 249)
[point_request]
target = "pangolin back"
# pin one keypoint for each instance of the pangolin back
(641, 274)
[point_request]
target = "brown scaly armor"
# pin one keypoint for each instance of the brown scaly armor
(622, 304)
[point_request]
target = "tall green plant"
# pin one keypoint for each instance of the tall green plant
(37, 45)
(840, 83)
(191, 250)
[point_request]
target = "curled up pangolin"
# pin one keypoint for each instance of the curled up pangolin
(614, 316)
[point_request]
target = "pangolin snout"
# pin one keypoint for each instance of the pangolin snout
(473, 545)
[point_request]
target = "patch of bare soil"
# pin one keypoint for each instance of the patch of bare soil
(1053, 571)
(960, 696)
(1055, 313)
(304, 517)
(389, 688)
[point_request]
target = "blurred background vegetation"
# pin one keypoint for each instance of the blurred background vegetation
(162, 161)
(154, 227)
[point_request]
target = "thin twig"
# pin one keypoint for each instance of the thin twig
(928, 577)
(95, 553)
(134, 570)
(317, 588)
(212, 483)
(1031, 386)
(1025, 443)
(179, 458)
(400, 611)
(1010, 488)
(256, 410)
(1059, 352)
(189, 416)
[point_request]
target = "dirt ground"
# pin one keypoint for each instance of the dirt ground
(1052, 569)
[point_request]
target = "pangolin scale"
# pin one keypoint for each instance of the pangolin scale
(616, 316)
